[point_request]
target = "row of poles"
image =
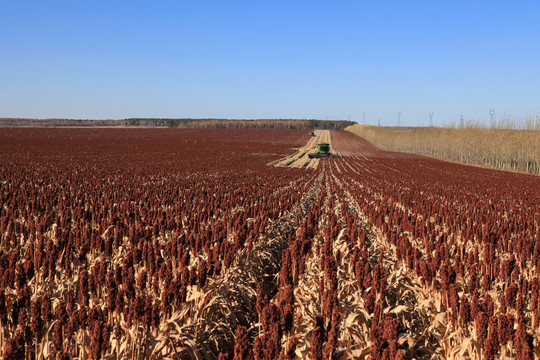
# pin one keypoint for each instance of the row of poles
(491, 118)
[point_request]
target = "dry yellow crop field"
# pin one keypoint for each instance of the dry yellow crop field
(504, 148)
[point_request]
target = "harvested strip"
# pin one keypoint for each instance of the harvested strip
(300, 158)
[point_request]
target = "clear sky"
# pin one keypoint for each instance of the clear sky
(270, 59)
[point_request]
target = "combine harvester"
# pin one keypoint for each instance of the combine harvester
(323, 150)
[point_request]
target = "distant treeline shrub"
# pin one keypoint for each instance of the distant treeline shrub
(25, 122)
(500, 148)
(183, 123)
(243, 124)
(329, 124)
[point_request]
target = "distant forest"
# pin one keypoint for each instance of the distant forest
(180, 123)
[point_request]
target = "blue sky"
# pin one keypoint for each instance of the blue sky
(270, 59)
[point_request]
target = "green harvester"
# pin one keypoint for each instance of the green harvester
(323, 150)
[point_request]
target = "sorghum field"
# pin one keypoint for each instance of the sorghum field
(186, 244)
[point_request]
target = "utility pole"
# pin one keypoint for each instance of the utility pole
(431, 119)
(399, 118)
(363, 117)
(379, 122)
(491, 114)
(461, 122)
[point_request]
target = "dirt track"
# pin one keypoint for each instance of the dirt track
(300, 158)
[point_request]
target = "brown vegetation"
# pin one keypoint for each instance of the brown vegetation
(499, 148)
(183, 244)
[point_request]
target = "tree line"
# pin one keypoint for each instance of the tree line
(182, 123)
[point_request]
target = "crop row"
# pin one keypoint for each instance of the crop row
(407, 257)
(103, 231)
(152, 243)
(469, 234)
